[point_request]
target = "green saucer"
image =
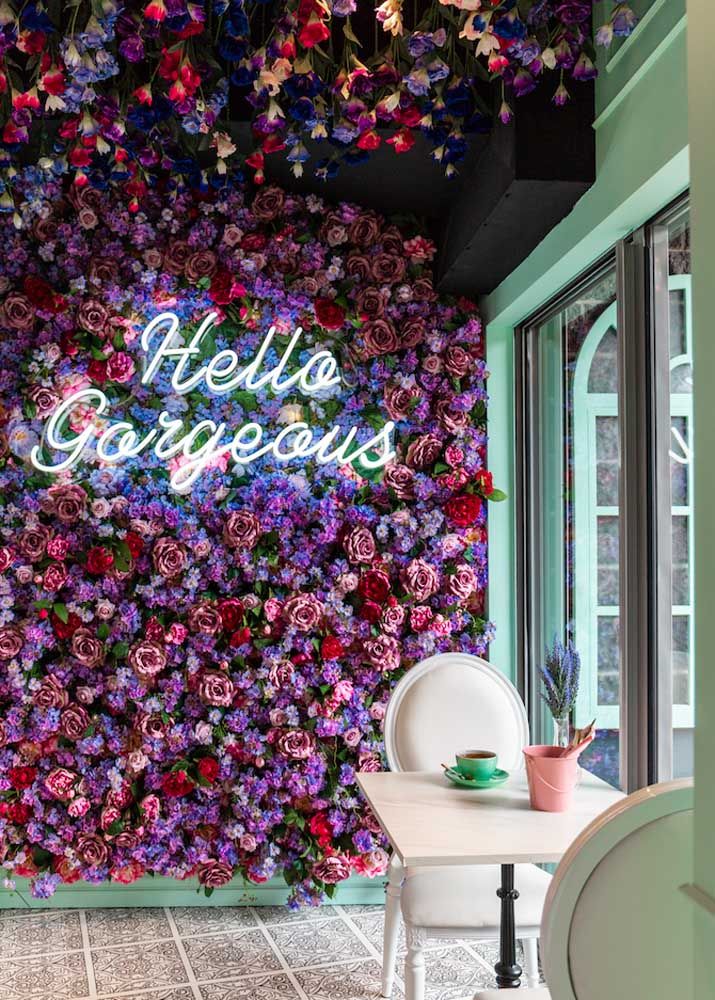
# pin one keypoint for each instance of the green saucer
(498, 778)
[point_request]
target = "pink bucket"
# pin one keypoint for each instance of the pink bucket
(552, 778)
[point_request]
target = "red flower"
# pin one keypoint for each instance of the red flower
(321, 829)
(240, 637)
(368, 139)
(313, 33)
(231, 611)
(374, 585)
(463, 510)
(485, 481)
(176, 784)
(97, 371)
(224, 289)
(40, 293)
(208, 768)
(19, 812)
(155, 10)
(154, 630)
(370, 612)
(135, 543)
(402, 141)
(21, 777)
(331, 648)
(65, 630)
(329, 314)
(99, 560)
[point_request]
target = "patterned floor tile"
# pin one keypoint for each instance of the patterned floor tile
(191, 920)
(131, 967)
(60, 978)
(282, 915)
(39, 934)
(113, 927)
(453, 973)
(352, 981)
(226, 956)
(265, 988)
(170, 993)
(317, 942)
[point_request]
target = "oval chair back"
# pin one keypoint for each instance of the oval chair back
(453, 702)
(615, 923)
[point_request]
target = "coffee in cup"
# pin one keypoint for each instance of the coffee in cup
(477, 764)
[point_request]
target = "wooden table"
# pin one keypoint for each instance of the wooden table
(429, 821)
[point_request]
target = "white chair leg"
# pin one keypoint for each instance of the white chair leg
(392, 928)
(415, 963)
(531, 961)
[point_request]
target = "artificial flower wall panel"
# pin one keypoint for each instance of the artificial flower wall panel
(243, 489)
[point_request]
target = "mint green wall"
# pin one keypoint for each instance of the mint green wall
(642, 161)
(701, 31)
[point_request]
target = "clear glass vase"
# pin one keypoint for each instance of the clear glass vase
(562, 731)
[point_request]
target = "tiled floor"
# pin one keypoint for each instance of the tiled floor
(264, 953)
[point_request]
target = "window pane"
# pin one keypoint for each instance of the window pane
(607, 460)
(678, 338)
(603, 376)
(679, 461)
(608, 561)
(609, 682)
(681, 659)
(681, 560)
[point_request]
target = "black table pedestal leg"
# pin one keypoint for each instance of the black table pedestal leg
(507, 970)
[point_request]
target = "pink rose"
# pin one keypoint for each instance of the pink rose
(281, 674)
(200, 264)
(66, 500)
(215, 688)
(176, 634)
(55, 577)
(204, 617)
(359, 545)
(400, 479)
(268, 203)
(451, 416)
(462, 582)
(6, 558)
(242, 529)
(147, 659)
(420, 618)
(120, 367)
(379, 337)
(87, 648)
(108, 816)
(272, 609)
(92, 316)
(151, 726)
(420, 579)
(333, 869)
(400, 400)
(296, 744)
(457, 361)
(248, 843)
(18, 312)
(133, 870)
(60, 783)
(78, 807)
(369, 761)
(169, 557)
(382, 652)
(373, 864)
(74, 722)
(304, 612)
(214, 874)
(393, 619)
(453, 456)
(11, 642)
(57, 548)
(365, 230)
(151, 807)
(50, 694)
(45, 400)
(432, 364)
(92, 850)
(424, 451)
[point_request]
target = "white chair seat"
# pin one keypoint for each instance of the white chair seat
(540, 993)
(466, 897)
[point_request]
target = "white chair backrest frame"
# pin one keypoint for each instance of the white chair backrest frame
(456, 701)
(615, 924)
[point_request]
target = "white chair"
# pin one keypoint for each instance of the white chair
(445, 704)
(615, 924)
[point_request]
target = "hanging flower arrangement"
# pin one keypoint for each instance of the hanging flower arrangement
(189, 681)
(111, 90)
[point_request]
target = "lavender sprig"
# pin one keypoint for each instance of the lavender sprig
(560, 676)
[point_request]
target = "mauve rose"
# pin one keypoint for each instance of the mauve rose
(268, 203)
(393, 619)
(232, 235)
(369, 761)
(242, 529)
(152, 258)
(66, 500)
(432, 364)
(60, 783)
(304, 612)
(11, 642)
(152, 726)
(388, 268)
(120, 367)
(103, 270)
(74, 721)
(92, 849)
(169, 557)
(248, 843)
(412, 332)
(137, 761)
(18, 312)
(87, 648)
(85, 695)
(359, 545)
(296, 744)
(400, 399)
(204, 617)
(6, 558)
(92, 316)
(462, 582)
(44, 229)
(32, 542)
(401, 480)
(457, 361)
(147, 659)
(214, 874)
(392, 240)
(450, 416)
(215, 688)
(423, 451)
(420, 579)
(272, 609)
(365, 229)
(358, 266)
(176, 255)
(370, 302)
(45, 400)
(423, 290)
(201, 264)
(55, 577)
(331, 870)
(281, 674)
(50, 694)
(383, 652)
(379, 337)
(333, 231)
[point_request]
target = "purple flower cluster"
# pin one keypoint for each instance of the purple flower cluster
(190, 682)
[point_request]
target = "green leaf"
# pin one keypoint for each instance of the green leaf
(122, 556)
(115, 828)
(120, 650)
(103, 631)
(497, 496)
(246, 400)
(62, 613)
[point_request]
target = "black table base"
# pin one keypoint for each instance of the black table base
(507, 970)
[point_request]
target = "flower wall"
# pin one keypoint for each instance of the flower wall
(189, 682)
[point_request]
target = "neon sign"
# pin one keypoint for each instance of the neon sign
(206, 443)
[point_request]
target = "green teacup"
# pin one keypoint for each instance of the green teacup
(477, 764)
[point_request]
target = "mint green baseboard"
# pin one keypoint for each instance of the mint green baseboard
(170, 892)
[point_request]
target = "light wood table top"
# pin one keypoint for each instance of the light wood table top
(429, 821)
